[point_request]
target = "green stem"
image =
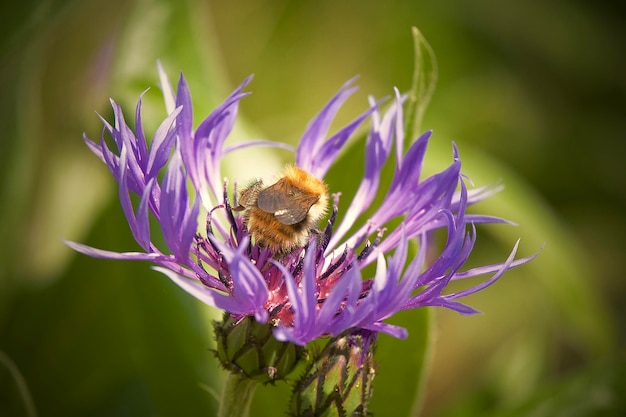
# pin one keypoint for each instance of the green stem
(237, 396)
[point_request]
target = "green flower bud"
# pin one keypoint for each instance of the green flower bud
(248, 348)
(338, 382)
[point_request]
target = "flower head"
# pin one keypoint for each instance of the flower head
(319, 285)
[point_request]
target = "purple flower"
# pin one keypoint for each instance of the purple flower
(321, 288)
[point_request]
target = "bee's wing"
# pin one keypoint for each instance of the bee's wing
(248, 196)
(288, 204)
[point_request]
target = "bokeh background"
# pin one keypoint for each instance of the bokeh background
(531, 91)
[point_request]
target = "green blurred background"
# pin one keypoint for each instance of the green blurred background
(531, 91)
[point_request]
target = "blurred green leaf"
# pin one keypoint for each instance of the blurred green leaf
(596, 391)
(112, 338)
(403, 365)
(592, 391)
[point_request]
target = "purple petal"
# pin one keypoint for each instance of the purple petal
(249, 287)
(303, 302)
(202, 152)
(122, 256)
(452, 305)
(411, 277)
(174, 202)
(328, 312)
(478, 194)
(505, 267)
(404, 185)
(315, 134)
(399, 129)
(350, 315)
(189, 226)
(111, 160)
(124, 197)
(162, 144)
(484, 219)
(142, 219)
(206, 295)
(410, 168)
(390, 329)
(184, 121)
(293, 333)
(254, 143)
(142, 145)
(377, 151)
(166, 87)
(125, 137)
(325, 155)
(487, 269)
(94, 147)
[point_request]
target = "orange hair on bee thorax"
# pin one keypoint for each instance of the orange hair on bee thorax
(283, 215)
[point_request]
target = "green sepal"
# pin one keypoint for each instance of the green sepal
(248, 348)
(338, 381)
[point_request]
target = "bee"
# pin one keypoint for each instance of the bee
(282, 216)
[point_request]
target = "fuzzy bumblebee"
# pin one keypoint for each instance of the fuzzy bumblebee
(282, 216)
